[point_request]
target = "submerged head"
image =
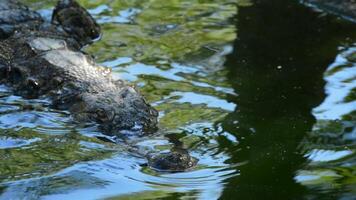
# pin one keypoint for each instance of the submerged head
(76, 21)
(177, 160)
(116, 111)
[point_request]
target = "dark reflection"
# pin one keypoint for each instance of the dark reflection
(2, 189)
(277, 69)
(51, 186)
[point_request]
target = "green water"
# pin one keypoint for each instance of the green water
(262, 92)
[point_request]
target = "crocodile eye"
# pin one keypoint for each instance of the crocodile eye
(101, 115)
(33, 84)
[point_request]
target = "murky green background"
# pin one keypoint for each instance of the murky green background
(262, 92)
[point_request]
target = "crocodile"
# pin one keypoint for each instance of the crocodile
(44, 59)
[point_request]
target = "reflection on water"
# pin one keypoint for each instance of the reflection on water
(330, 147)
(254, 109)
(277, 68)
(340, 87)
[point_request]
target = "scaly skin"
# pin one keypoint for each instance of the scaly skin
(39, 59)
(14, 16)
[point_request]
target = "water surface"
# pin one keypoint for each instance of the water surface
(262, 92)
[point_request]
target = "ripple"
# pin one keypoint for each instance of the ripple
(330, 147)
(341, 82)
(31, 120)
(123, 17)
(210, 101)
(6, 142)
(327, 155)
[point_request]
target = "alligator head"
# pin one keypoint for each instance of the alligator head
(116, 111)
(76, 83)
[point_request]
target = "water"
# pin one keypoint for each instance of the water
(262, 92)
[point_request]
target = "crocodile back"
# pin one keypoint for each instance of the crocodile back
(15, 16)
